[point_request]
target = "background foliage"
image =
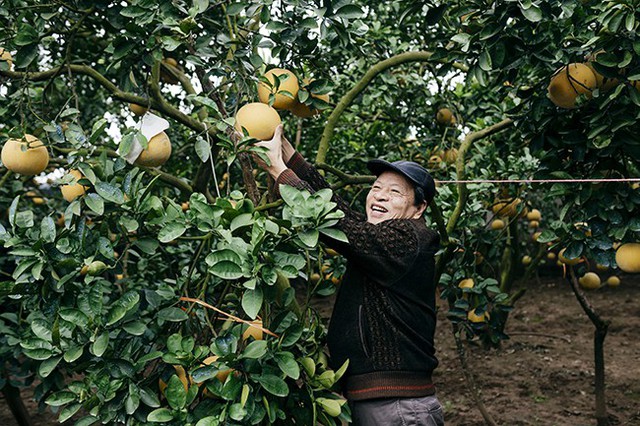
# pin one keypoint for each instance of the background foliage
(99, 342)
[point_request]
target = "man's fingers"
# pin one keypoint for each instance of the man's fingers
(278, 132)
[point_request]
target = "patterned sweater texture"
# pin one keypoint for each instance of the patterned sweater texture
(384, 316)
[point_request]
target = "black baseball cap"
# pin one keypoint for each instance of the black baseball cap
(414, 172)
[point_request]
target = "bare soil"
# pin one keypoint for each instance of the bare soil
(542, 375)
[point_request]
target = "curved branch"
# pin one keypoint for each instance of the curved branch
(348, 98)
(157, 103)
(463, 192)
(164, 176)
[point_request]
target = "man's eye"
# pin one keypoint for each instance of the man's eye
(395, 191)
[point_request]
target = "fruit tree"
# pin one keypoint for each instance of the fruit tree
(159, 280)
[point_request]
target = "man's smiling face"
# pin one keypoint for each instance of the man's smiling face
(392, 197)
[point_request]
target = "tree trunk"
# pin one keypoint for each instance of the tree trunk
(14, 401)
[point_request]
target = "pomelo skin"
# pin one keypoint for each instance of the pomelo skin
(260, 120)
(286, 84)
(628, 258)
(157, 153)
(31, 161)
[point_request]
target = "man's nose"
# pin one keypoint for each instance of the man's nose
(381, 195)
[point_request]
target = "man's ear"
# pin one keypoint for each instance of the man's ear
(421, 208)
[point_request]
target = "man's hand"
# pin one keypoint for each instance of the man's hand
(274, 154)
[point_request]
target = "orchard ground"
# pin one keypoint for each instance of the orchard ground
(544, 374)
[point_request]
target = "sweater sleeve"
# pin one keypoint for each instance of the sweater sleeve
(382, 251)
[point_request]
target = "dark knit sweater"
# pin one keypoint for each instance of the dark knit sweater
(384, 316)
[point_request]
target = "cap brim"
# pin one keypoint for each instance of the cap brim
(377, 167)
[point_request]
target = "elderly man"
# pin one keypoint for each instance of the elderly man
(384, 316)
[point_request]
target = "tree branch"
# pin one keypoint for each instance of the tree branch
(351, 95)
(157, 103)
(463, 192)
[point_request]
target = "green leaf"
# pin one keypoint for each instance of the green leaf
(309, 238)
(290, 195)
(171, 231)
(209, 421)
(74, 316)
(336, 234)
(26, 35)
(48, 366)
(350, 11)
(100, 345)
(97, 130)
(287, 363)
(255, 349)
(95, 203)
(110, 192)
(202, 149)
(227, 270)
(252, 302)
(135, 328)
(273, 384)
(73, 353)
(331, 406)
(60, 398)
(235, 8)
(48, 229)
(240, 221)
(533, 14)
(175, 393)
(485, 61)
(69, 411)
(160, 415)
(172, 314)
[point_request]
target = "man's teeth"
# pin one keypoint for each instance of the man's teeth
(379, 209)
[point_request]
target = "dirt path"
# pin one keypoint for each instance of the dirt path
(533, 379)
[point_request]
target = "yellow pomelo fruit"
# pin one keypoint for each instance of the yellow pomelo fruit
(551, 255)
(450, 155)
(138, 109)
(536, 235)
(628, 257)
(34, 198)
(613, 281)
(27, 157)
(507, 208)
(72, 191)
(565, 260)
(157, 153)
(288, 83)
(479, 258)
(254, 332)
(534, 214)
(601, 268)
(5, 56)
(569, 82)
(497, 224)
(526, 260)
(260, 120)
(165, 75)
(467, 283)
(473, 317)
(603, 83)
(590, 281)
(445, 117)
(303, 111)
(534, 224)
